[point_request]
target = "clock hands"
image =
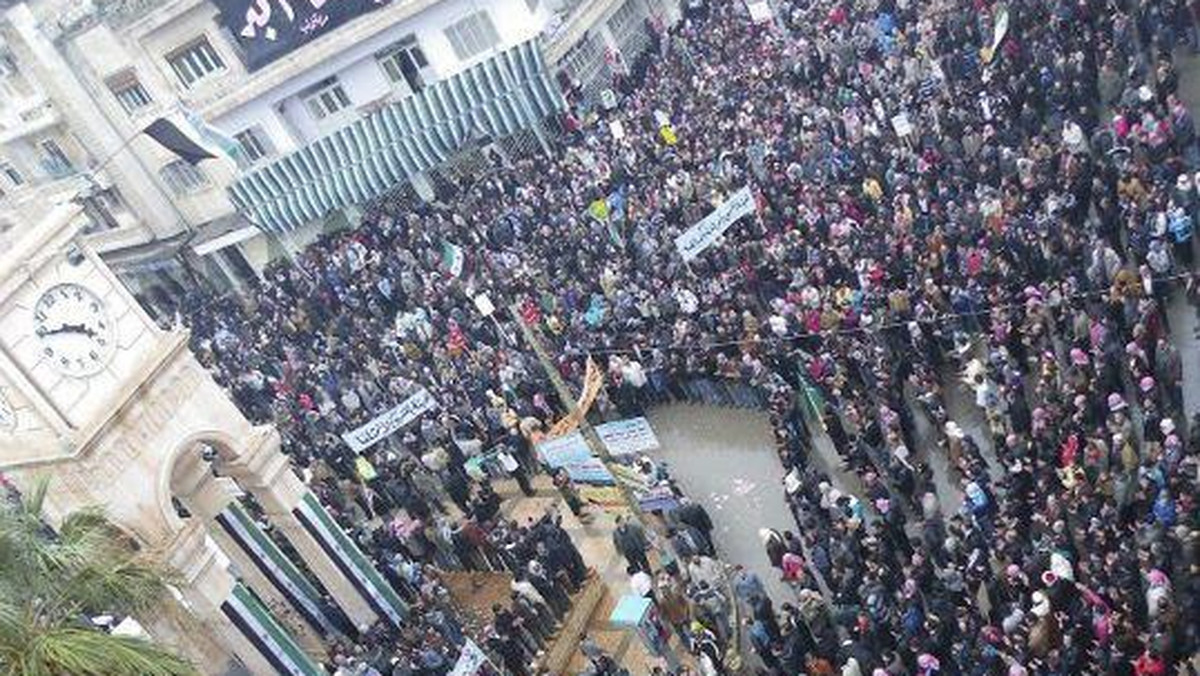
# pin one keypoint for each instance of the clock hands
(72, 328)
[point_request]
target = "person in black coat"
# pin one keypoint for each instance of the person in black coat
(459, 489)
(558, 538)
(694, 515)
(511, 653)
(629, 538)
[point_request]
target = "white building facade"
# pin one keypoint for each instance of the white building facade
(320, 107)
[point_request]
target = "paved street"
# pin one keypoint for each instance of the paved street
(725, 458)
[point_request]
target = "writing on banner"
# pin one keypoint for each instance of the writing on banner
(470, 660)
(571, 453)
(269, 29)
(657, 498)
(700, 236)
(626, 437)
(387, 423)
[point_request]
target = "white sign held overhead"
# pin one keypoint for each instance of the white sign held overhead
(760, 11)
(484, 304)
(617, 129)
(700, 236)
(902, 125)
(387, 423)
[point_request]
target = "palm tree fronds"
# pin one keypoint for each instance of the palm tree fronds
(88, 525)
(50, 580)
(33, 502)
(87, 652)
(125, 586)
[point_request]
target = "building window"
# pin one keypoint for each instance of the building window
(54, 160)
(254, 145)
(403, 62)
(195, 61)
(8, 64)
(326, 98)
(472, 35)
(620, 21)
(11, 172)
(584, 59)
(182, 178)
(128, 91)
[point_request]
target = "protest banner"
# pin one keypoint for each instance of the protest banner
(590, 471)
(366, 436)
(657, 498)
(902, 125)
(470, 660)
(571, 452)
(700, 236)
(263, 36)
(626, 437)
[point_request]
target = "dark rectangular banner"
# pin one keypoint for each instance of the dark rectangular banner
(269, 29)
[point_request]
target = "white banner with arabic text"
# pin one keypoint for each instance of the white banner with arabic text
(700, 236)
(410, 409)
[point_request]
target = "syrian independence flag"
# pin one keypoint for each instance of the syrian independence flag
(172, 138)
(192, 139)
(212, 136)
(453, 258)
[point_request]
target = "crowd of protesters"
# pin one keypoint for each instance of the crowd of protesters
(942, 205)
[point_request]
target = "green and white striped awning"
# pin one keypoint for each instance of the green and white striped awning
(497, 97)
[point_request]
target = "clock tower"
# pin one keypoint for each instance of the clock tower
(71, 339)
(119, 414)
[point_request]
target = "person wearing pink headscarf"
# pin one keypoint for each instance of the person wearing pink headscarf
(1101, 614)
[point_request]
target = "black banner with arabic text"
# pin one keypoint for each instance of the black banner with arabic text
(269, 29)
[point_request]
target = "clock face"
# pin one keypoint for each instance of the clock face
(73, 330)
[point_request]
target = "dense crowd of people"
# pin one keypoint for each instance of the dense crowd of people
(941, 205)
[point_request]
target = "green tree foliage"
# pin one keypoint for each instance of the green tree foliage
(52, 581)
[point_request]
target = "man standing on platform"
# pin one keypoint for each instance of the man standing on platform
(694, 515)
(630, 540)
